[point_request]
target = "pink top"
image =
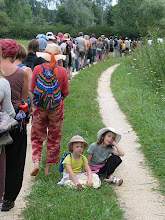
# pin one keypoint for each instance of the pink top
(62, 78)
(95, 169)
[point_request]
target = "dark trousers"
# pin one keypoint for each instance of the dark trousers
(112, 163)
(15, 162)
(2, 172)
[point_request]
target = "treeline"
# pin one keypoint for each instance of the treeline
(24, 19)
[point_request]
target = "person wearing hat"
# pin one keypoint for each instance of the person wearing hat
(76, 162)
(42, 39)
(15, 152)
(127, 46)
(66, 47)
(44, 119)
(98, 155)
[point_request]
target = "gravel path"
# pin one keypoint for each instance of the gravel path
(136, 196)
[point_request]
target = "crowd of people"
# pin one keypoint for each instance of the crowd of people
(82, 50)
(34, 82)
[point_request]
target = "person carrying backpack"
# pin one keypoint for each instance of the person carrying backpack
(115, 45)
(76, 171)
(49, 87)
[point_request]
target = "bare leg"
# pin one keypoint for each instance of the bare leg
(47, 169)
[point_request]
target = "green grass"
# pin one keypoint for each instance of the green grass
(47, 200)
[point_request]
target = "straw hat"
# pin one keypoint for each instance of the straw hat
(53, 48)
(103, 130)
(66, 36)
(74, 139)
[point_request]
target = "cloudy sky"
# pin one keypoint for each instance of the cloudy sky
(114, 2)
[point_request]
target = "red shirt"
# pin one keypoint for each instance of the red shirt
(62, 78)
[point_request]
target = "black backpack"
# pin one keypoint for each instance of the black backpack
(115, 43)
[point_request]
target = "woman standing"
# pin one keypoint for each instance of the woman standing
(44, 118)
(6, 105)
(99, 50)
(15, 152)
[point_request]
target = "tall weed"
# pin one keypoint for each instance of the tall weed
(149, 61)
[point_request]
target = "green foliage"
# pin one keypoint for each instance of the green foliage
(149, 62)
(5, 24)
(124, 16)
(2, 5)
(151, 14)
(131, 18)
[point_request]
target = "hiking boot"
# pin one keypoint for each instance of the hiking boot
(5, 139)
(7, 205)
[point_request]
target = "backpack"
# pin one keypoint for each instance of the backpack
(123, 46)
(47, 93)
(61, 167)
(115, 43)
(106, 45)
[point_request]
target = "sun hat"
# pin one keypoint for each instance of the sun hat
(66, 36)
(51, 54)
(42, 36)
(52, 48)
(50, 35)
(76, 138)
(103, 130)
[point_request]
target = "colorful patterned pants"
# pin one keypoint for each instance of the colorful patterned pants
(43, 120)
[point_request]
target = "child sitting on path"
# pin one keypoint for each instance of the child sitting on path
(74, 165)
(99, 157)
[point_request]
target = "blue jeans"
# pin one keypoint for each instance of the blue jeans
(93, 55)
(76, 62)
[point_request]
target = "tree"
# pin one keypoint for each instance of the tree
(125, 18)
(5, 24)
(12, 8)
(103, 4)
(151, 14)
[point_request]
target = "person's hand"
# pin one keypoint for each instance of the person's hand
(90, 182)
(78, 184)
(113, 143)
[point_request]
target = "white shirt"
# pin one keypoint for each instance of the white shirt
(5, 97)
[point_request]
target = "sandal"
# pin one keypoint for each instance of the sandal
(117, 181)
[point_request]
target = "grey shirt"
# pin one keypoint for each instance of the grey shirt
(99, 154)
(5, 97)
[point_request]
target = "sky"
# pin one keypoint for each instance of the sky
(51, 6)
(114, 2)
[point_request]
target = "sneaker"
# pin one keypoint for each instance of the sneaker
(7, 205)
(5, 139)
(6, 122)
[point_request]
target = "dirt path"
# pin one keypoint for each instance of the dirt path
(137, 195)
